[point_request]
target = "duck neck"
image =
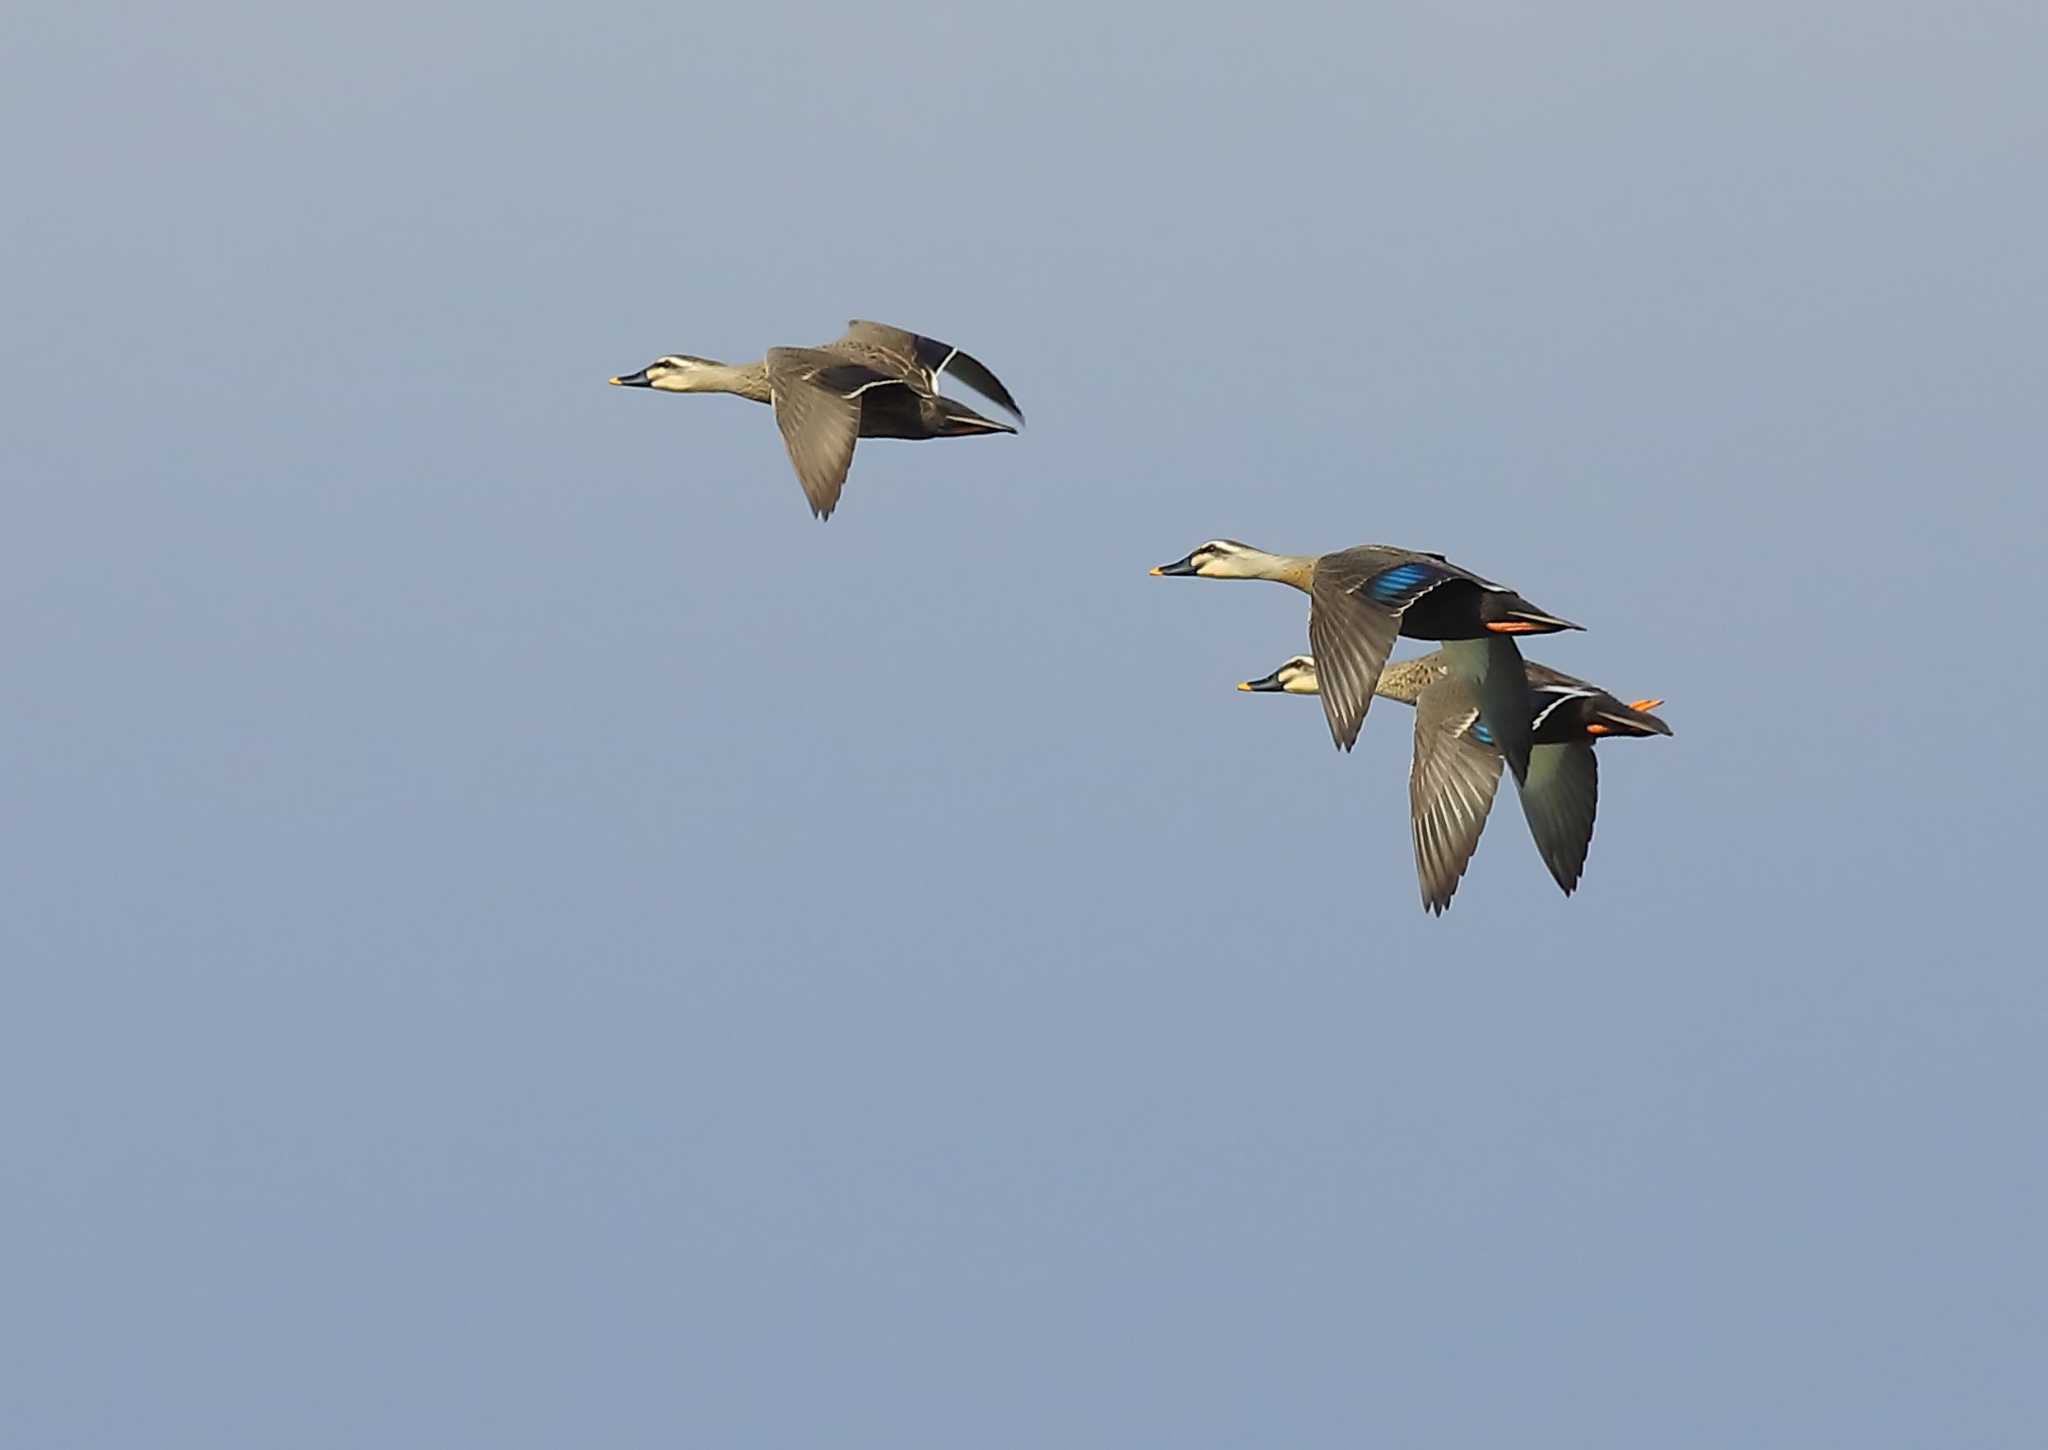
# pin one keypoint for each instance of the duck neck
(1298, 570)
(742, 380)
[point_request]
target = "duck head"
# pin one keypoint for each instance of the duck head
(676, 373)
(1225, 559)
(1296, 677)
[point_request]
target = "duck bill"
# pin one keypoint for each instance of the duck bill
(633, 380)
(1270, 685)
(1178, 569)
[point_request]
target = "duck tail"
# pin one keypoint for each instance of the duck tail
(961, 421)
(1633, 719)
(1522, 617)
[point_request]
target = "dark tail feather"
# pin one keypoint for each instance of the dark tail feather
(962, 422)
(1630, 721)
(1522, 617)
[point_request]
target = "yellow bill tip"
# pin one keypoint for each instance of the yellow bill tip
(1244, 684)
(1153, 571)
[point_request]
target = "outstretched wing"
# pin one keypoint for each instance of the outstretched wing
(816, 396)
(926, 358)
(1492, 670)
(1350, 637)
(1560, 798)
(1451, 783)
(1399, 585)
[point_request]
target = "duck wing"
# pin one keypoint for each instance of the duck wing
(816, 396)
(1560, 798)
(1451, 782)
(1493, 671)
(914, 356)
(1350, 634)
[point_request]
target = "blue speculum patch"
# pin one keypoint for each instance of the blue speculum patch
(1480, 733)
(1391, 586)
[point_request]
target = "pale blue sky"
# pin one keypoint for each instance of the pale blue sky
(516, 936)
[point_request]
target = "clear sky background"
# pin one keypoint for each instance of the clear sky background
(514, 935)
